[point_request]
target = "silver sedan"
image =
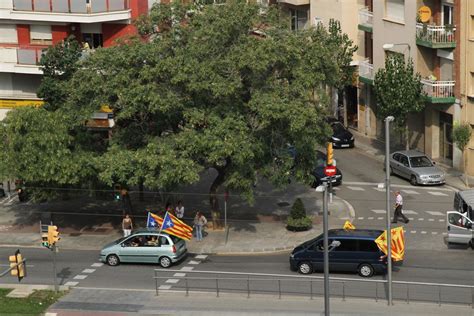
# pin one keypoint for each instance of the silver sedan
(416, 167)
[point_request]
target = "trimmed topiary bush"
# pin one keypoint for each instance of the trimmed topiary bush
(298, 220)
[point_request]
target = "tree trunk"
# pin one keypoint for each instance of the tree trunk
(344, 106)
(466, 179)
(213, 198)
(407, 137)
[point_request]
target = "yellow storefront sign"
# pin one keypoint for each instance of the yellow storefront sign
(11, 103)
(424, 14)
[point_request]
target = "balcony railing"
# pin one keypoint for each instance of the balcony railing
(366, 72)
(365, 19)
(71, 6)
(21, 56)
(439, 91)
(435, 36)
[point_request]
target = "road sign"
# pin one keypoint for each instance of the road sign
(330, 171)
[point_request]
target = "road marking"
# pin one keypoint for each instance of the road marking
(421, 219)
(80, 277)
(435, 213)
(336, 188)
(409, 212)
(201, 257)
(445, 234)
(164, 287)
(401, 186)
(379, 189)
(50, 314)
(360, 218)
(97, 264)
(411, 218)
(413, 232)
(179, 275)
(379, 211)
(187, 268)
(379, 217)
(440, 220)
(409, 192)
(356, 188)
(423, 232)
(370, 217)
(434, 233)
(71, 283)
(430, 219)
(437, 193)
(194, 262)
(174, 281)
(88, 271)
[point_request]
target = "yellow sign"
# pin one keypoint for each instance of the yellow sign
(424, 14)
(10, 103)
(348, 225)
(105, 109)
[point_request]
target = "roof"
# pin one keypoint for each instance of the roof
(366, 233)
(467, 196)
(411, 153)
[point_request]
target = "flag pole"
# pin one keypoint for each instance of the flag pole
(161, 227)
(148, 220)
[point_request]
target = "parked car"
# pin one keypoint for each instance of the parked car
(145, 247)
(416, 167)
(349, 250)
(318, 172)
(341, 136)
(460, 220)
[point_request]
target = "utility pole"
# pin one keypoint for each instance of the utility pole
(388, 119)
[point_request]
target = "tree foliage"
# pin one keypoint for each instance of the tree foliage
(461, 135)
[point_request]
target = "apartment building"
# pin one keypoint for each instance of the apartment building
(27, 27)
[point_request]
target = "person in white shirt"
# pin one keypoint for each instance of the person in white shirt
(398, 209)
(179, 210)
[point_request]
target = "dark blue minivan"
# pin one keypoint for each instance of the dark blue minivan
(349, 250)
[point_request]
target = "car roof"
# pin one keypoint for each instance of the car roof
(349, 233)
(467, 196)
(148, 231)
(410, 153)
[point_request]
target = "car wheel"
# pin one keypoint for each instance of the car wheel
(366, 270)
(113, 260)
(305, 268)
(165, 262)
(472, 244)
(413, 180)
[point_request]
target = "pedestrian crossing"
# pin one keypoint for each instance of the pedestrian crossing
(439, 192)
(408, 212)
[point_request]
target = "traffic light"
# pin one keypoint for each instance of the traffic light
(330, 155)
(17, 265)
(117, 192)
(53, 235)
(45, 240)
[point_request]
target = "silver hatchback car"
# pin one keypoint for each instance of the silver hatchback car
(145, 247)
(416, 167)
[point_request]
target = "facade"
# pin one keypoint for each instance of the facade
(29, 26)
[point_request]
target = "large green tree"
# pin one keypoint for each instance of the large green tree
(398, 92)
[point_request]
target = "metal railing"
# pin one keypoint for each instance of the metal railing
(71, 6)
(435, 33)
(311, 286)
(366, 69)
(366, 17)
(438, 89)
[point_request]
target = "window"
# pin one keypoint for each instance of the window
(8, 34)
(41, 34)
(395, 10)
(458, 220)
(368, 246)
(471, 84)
(347, 245)
(299, 18)
(93, 39)
(396, 157)
(448, 14)
(420, 162)
(404, 160)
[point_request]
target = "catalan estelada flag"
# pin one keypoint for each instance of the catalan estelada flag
(173, 226)
(348, 225)
(398, 243)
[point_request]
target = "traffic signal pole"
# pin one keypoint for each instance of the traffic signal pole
(55, 274)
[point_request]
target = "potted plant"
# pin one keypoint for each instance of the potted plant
(298, 220)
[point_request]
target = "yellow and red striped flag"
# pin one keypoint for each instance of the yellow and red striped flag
(173, 226)
(348, 225)
(398, 243)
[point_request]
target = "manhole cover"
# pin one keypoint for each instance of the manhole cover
(283, 204)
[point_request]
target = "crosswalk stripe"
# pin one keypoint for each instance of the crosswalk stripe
(409, 212)
(430, 219)
(80, 277)
(179, 275)
(441, 220)
(413, 232)
(380, 218)
(421, 219)
(97, 264)
(435, 213)
(360, 218)
(194, 262)
(164, 287)
(434, 233)
(410, 192)
(187, 268)
(71, 283)
(88, 271)
(411, 218)
(201, 257)
(370, 217)
(423, 232)
(379, 211)
(356, 188)
(437, 193)
(379, 189)
(174, 281)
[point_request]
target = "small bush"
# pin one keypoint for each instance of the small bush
(298, 221)
(297, 210)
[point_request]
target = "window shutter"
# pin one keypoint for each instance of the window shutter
(41, 32)
(395, 10)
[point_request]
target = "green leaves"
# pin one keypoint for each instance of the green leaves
(461, 134)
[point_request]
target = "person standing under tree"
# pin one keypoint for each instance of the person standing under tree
(127, 225)
(398, 209)
(179, 210)
(199, 222)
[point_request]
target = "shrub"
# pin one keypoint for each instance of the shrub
(297, 210)
(298, 221)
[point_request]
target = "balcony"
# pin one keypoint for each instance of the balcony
(294, 2)
(365, 20)
(72, 11)
(439, 91)
(20, 60)
(434, 36)
(366, 72)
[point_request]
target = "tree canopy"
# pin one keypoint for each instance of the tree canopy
(215, 87)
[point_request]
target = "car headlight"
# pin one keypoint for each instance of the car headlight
(335, 138)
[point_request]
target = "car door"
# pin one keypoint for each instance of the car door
(344, 257)
(394, 163)
(130, 249)
(404, 167)
(149, 251)
(459, 228)
(315, 254)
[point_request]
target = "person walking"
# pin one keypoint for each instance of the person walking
(127, 225)
(398, 209)
(180, 210)
(199, 222)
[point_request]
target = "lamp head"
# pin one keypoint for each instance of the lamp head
(389, 119)
(387, 46)
(321, 188)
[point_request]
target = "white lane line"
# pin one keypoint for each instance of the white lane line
(409, 192)
(187, 268)
(194, 262)
(413, 232)
(202, 257)
(88, 271)
(379, 189)
(179, 275)
(435, 213)
(434, 233)
(445, 234)
(174, 281)
(440, 220)
(356, 188)
(411, 218)
(380, 218)
(430, 219)
(71, 283)
(164, 287)
(401, 186)
(97, 264)
(436, 193)
(370, 217)
(379, 211)
(409, 212)
(421, 219)
(80, 277)
(423, 232)
(360, 218)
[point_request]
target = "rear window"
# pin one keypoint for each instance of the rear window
(174, 239)
(368, 245)
(347, 245)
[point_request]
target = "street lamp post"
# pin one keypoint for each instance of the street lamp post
(388, 119)
(323, 188)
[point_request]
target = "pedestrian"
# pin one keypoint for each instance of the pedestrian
(398, 209)
(179, 210)
(169, 209)
(127, 225)
(199, 222)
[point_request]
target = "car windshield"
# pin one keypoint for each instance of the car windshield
(338, 128)
(420, 162)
